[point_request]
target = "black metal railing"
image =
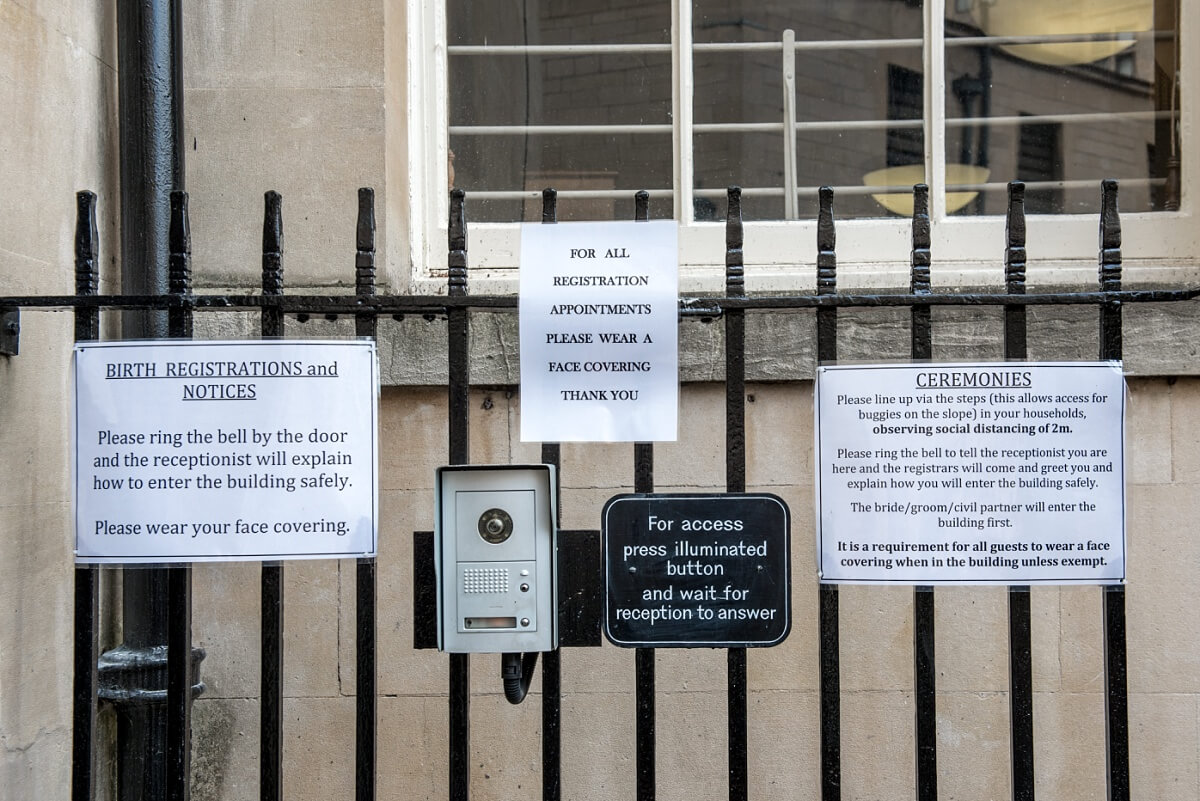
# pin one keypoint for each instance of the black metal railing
(581, 568)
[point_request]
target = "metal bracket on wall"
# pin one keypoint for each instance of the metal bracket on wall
(136, 676)
(10, 331)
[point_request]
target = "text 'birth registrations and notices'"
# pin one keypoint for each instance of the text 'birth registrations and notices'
(990, 473)
(599, 323)
(195, 451)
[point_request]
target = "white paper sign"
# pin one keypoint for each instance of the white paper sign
(992, 473)
(599, 332)
(201, 451)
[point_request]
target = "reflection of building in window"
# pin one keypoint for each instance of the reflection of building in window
(904, 102)
(1039, 160)
(596, 97)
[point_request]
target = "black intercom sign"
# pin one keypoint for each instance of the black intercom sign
(696, 570)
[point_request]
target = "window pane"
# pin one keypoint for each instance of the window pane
(627, 88)
(1061, 96)
(857, 98)
(825, 21)
(551, 22)
(503, 83)
(613, 166)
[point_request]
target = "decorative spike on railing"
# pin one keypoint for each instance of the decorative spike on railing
(1110, 237)
(364, 256)
(1014, 272)
(179, 274)
(272, 244)
(1110, 270)
(921, 256)
(735, 276)
(272, 262)
(457, 259)
(826, 242)
(87, 274)
(1014, 239)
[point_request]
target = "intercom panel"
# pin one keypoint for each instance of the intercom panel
(497, 576)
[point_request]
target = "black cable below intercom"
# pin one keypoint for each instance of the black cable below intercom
(517, 672)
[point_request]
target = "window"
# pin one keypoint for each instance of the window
(599, 98)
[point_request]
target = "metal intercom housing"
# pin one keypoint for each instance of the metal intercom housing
(496, 539)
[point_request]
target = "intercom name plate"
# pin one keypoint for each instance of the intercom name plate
(497, 574)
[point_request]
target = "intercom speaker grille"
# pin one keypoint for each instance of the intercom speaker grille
(485, 580)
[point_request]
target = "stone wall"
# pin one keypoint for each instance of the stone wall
(597, 702)
(58, 92)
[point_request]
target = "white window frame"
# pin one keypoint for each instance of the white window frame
(1159, 248)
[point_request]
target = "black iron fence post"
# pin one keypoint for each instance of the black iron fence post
(552, 660)
(365, 325)
(644, 658)
(180, 659)
(924, 670)
(459, 385)
(87, 577)
(1116, 701)
(271, 596)
(735, 473)
(828, 643)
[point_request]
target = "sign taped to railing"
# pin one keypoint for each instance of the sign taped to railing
(697, 570)
(599, 319)
(208, 451)
(981, 473)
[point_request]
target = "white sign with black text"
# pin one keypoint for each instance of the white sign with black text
(986, 473)
(205, 451)
(599, 332)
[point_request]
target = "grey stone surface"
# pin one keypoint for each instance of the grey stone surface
(781, 346)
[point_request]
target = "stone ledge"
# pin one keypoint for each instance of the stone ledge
(1159, 338)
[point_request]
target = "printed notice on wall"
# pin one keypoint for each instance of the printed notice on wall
(204, 451)
(994, 473)
(599, 332)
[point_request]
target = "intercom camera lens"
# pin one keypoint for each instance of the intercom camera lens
(495, 526)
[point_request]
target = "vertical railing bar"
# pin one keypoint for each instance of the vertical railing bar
(923, 601)
(459, 445)
(87, 577)
(552, 660)
(1020, 645)
(365, 719)
(735, 471)
(828, 641)
(179, 577)
(644, 658)
(270, 746)
(1116, 702)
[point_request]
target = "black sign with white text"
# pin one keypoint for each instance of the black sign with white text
(696, 570)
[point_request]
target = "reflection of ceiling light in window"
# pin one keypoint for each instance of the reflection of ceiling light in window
(901, 180)
(1120, 18)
